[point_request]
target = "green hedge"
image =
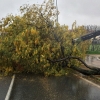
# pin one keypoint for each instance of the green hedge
(93, 52)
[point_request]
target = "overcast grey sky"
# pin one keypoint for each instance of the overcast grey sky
(85, 12)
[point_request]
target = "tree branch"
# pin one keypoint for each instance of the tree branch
(79, 59)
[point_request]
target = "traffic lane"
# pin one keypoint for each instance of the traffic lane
(30, 87)
(92, 60)
(4, 85)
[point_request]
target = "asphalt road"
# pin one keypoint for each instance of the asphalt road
(93, 60)
(4, 85)
(30, 87)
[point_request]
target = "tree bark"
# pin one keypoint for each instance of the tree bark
(85, 72)
(91, 71)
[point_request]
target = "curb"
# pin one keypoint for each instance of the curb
(90, 82)
(10, 88)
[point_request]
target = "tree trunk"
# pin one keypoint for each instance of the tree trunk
(86, 72)
(91, 71)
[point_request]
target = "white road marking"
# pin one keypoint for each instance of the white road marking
(10, 88)
(92, 83)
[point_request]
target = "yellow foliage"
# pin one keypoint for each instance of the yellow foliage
(33, 37)
(36, 41)
(34, 32)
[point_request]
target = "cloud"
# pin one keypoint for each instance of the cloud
(83, 7)
(83, 11)
(12, 6)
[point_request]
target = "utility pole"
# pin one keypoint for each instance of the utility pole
(55, 3)
(57, 10)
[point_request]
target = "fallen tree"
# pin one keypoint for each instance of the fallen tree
(29, 38)
(90, 71)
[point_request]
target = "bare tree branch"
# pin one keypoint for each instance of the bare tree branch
(79, 59)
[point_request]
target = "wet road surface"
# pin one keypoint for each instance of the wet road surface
(92, 60)
(4, 85)
(30, 87)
